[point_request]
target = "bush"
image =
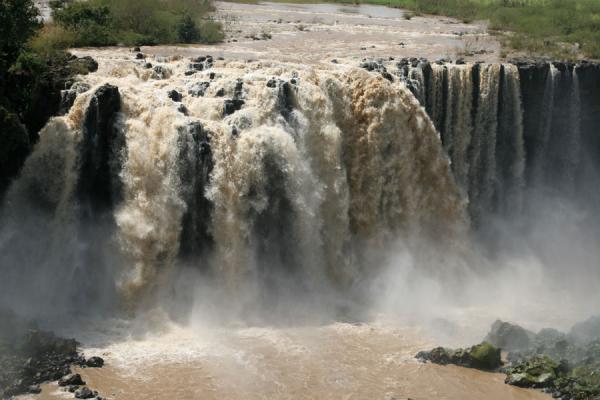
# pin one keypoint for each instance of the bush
(18, 23)
(134, 22)
(211, 32)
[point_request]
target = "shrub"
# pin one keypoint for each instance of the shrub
(187, 31)
(211, 32)
(18, 23)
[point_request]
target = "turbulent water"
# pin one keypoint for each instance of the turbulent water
(314, 169)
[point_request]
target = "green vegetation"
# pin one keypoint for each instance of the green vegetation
(128, 22)
(556, 28)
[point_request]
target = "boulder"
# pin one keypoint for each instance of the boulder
(509, 337)
(231, 106)
(198, 89)
(71, 379)
(175, 95)
(586, 331)
(94, 362)
(85, 393)
(482, 356)
(537, 372)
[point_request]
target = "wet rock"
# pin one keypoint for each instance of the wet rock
(160, 72)
(586, 331)
(94, 362)
(231, 106)
(71, 379)
(136, 50)
(34, 389)
(189, 72)
(15, 146)
(509, 337)
(220, 92)
(272, 83)
(199, 59)
(68, 96)
(538, 372)
(197, 66)
(85, 393)
(140, 56)
(211, 76)
(183, 109)
(175, 95)
(147, 65)
(482, 356)
(198, 89)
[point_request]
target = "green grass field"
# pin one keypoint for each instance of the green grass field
(555, 28)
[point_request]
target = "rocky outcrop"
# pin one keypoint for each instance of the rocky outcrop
(195, 163)
(22, 118)
(557, 363)
(30, 356)
(15, 146)
(509, 337)
(482, 356)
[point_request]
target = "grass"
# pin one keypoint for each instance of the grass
(557, 28)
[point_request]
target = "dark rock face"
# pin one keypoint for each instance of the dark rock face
(14, 147)
(195, 163)
(509, 337)
(68, 96)
(100, 152)
(19, 128)
(482, 356)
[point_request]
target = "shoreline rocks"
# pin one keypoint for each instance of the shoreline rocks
(30, 356)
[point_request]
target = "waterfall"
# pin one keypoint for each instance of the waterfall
(254, 176)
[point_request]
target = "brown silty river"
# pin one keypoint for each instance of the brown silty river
(332, 360)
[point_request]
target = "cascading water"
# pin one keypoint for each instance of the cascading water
(262, 174)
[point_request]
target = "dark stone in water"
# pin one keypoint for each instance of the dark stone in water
(231, 106)
(175, 95)
(220, 92)
(140, 56)
(197, 66)
(85, 393)
(198, 89)
(136, 49)
(272, 83)
(211, 76)
(70, 380)
(148, 65)
(94, 362)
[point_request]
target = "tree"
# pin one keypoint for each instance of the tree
(19, 21)
(187, 31)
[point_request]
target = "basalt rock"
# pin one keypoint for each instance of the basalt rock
(85, 393)
(100, 152)
(29, 356)
(482, 356)
(175, 95)
(71, 380)
(509, 337)
(94, 362)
